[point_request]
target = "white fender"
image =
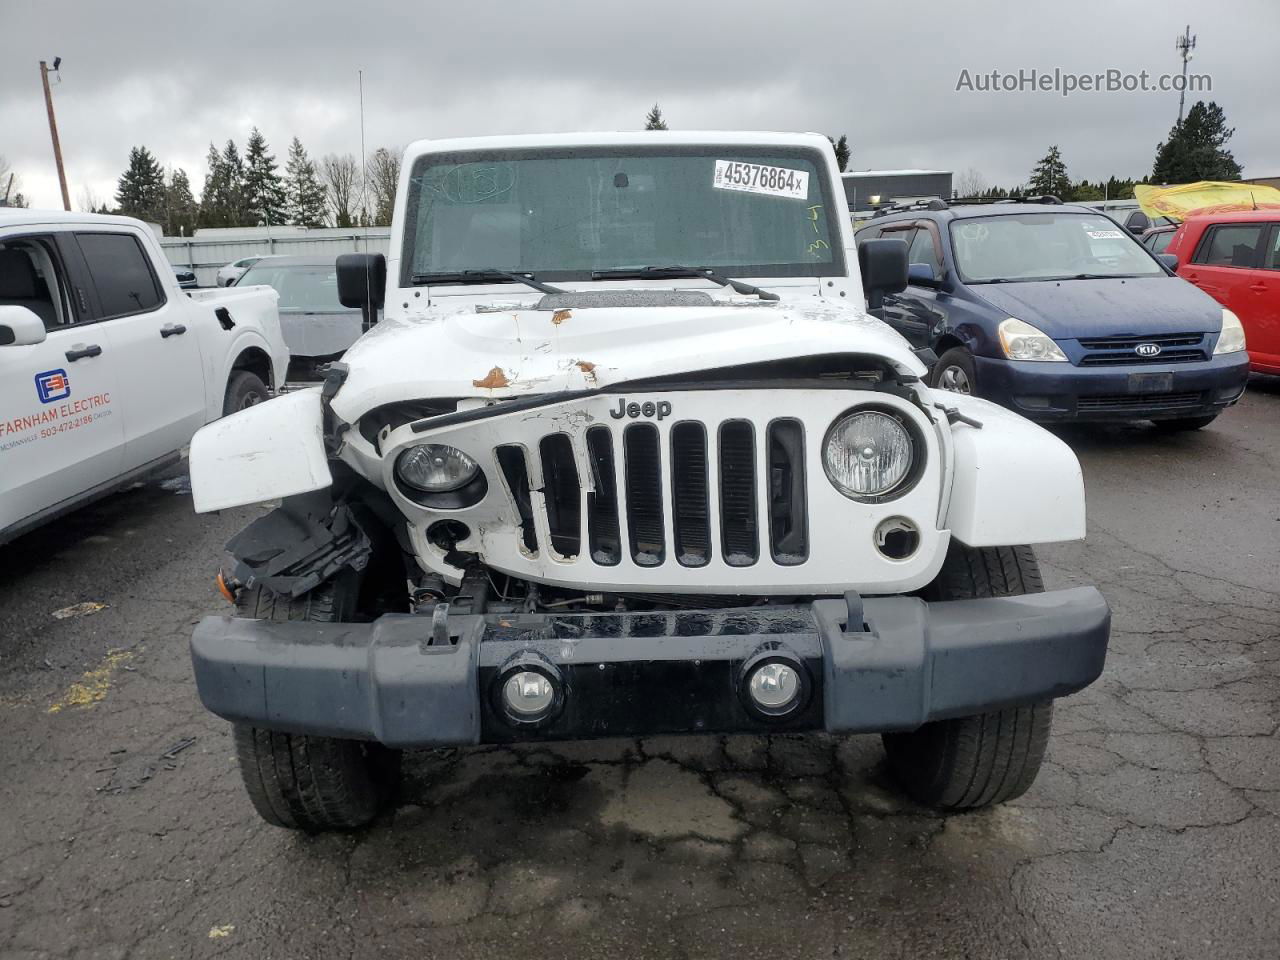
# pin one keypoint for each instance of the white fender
(1015, 482)
(273, 449)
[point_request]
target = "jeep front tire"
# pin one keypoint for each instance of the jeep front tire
(970, 762)
(306, 782)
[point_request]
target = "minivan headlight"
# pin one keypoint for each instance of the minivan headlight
(1231, 340)
(867, 454)
(435, 468)
(1021, 341)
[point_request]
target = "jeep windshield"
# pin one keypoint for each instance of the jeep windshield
(1047, 246)
(568, 214)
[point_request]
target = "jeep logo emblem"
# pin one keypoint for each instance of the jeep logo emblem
(1147, 349)
(660, 409)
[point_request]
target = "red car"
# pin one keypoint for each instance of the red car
(1235, 258)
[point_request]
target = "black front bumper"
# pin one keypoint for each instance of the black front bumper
(404, 682)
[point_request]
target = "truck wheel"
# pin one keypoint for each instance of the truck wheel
(969, 762)
(955, 371)
(305, 782)
(1185, 423)
(244, 389)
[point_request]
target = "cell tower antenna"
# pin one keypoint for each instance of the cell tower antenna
(1184, 45)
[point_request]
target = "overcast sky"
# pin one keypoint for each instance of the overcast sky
(175, 75)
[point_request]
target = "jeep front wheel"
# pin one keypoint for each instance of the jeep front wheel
(305, 782)
(315, 783)
(969, 762)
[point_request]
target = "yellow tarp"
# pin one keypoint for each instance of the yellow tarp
(1204, 196)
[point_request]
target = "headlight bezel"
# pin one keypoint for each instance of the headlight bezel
(914, 471)
(1231, 335)
(1006, 333)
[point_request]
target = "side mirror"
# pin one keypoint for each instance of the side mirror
(922, 275)
(362, 282)
(883, 264)
(20, 327)
(1169, 260)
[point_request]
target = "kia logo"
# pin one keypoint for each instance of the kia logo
(1147, 349)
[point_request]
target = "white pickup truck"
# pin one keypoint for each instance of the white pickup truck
(631, 454)
(107, 367)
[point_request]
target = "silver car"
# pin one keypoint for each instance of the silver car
(231, 272)
(317, 328)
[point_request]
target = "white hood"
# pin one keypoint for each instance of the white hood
(499, 353)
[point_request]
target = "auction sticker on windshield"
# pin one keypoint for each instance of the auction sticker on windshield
(759, 178)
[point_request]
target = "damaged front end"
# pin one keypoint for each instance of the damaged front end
(626, 556)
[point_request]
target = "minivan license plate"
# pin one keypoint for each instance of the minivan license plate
(1150, 382)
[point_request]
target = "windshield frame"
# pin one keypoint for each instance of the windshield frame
(763, 150)
(1160, 270)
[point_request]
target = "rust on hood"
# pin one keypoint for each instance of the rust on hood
(560, 316)
(492, 380)
(588, 369)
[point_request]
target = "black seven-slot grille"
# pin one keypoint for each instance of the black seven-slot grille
(1123, 351)
(634, 491)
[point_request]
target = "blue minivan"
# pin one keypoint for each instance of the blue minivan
(1057, 312)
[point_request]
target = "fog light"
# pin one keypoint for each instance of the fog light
(528, 694)
(775, 687)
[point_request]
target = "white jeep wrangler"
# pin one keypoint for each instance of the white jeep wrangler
(628, 455)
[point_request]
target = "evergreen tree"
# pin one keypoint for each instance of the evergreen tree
(1085, 191)
(1050, 176)
(181, 210)
(234, 197)
(222, 203)
(264, 193)
(213, 212)
(654, 120)
(140, 192)
(842, 151)
(1196, 148)
(305, 193)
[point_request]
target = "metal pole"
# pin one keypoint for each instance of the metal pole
(1185, 44)
(53, 132)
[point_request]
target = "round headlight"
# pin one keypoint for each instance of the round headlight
(435, 468)
(867, 454)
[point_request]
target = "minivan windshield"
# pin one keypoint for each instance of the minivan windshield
(303, 288)
(1047, 246)
(564, 214)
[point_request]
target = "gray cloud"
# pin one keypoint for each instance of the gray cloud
(176, 76)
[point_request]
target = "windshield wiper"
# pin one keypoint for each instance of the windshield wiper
(676, 272)
(483, 276)
(1100, 276)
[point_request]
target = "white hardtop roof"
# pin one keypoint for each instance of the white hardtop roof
(21, 215)
(888, 173)
(620, 139)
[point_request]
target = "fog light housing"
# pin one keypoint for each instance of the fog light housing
(528, 694)
(774, 686)
(774, 683)
(529, 690)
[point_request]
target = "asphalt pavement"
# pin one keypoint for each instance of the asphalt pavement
(1153, 830)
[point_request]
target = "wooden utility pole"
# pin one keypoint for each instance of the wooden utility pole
(53, 131)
